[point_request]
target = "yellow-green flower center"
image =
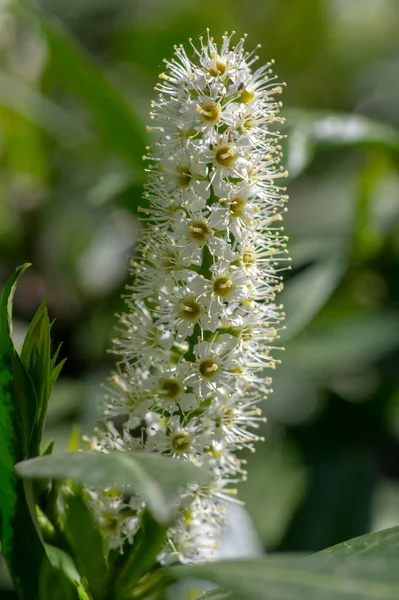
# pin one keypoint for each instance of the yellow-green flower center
(208, 368)
(246, 97)
(171, 388)
(198, 231)
(248, 258)
(248, 123)
(190, 309)
(237, 207)
(246, 333)
(217, 68)
(222, 286)
(225, 155)
(169, 261)
(184, 177)
(150, 337)
(110, 522)
(210, 112)
(180, 441)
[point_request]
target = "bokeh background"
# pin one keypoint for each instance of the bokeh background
(76, 79)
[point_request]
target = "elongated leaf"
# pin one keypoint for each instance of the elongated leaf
(21, 544)
(61, 560)
(379, 543)
(141, 557)
(55, 584)
(353, 341)
(311, 131)
(35, 356)
(214, 595)
(287, 577)
(114, 118)
(156, 478)
(40, 111)
(86, 542)
(306, 294)
(22, 391)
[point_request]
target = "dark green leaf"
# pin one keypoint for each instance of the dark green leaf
(383, 543)
(140, 557)
(287, 577)
(35, 356)
(54, 584)
(26, 400)
(338, 500)
(365, 239)
(157, 478)
(55, 372)
(23, 392)
(85, 542)
(48, 449)
(21, 544)
(116, 122)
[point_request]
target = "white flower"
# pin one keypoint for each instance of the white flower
(192, 232)
(202, 318)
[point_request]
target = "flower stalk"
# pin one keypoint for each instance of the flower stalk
(202, 317)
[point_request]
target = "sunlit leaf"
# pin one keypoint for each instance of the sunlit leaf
(156, 478)
(383, 543)
(287, 577)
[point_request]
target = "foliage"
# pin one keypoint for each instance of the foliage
(76, 538)
(70, 189)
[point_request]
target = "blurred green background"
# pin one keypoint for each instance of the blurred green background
(76, 78)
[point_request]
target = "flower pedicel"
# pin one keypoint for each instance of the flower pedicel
(202, 317)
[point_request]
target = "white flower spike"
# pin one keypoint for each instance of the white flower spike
(202, 317)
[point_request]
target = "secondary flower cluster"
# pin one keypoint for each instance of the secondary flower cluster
(202, 318)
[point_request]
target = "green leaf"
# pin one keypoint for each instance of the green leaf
(213, 595)
(337, 501)
(366, 239)
(287, 577)
(61, 560)
(23, 392)
(140, 557)
(383, 543)
(311, 131)
(41, 111)
(156, 478)
(353, 342)
(20, 540)
(115, 120)
(35, 356)
(85, 541)
(48, 449)
(54, 584)
(305, 294)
